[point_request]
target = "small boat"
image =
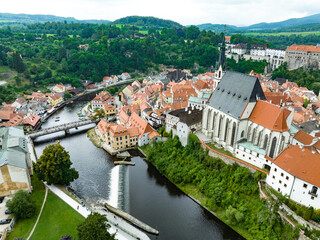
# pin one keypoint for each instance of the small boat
(57, 120)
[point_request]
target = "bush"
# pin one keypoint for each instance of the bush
(21, 205)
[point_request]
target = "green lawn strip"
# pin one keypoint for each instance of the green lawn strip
(23, 227)
(193, 191)
(211, 145)
(57, 219)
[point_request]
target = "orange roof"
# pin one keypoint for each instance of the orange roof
(304, 48)
(136, 121)
(32, 120)
(200, 85)
(109, 107)
(133, 131)
(228, 38)
(55, 96)
(5, 114)
(153, 134)
(277, 97)
(270, 116)
(303, 137)
(301, 163)
(14, 121)
(102, 126)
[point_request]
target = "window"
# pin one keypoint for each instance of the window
(287, 177)
(285, 185)
(280, 181)
(275, 169)
(305, 185)
(281, 174)
(312, 198)
(278, 189)
(273, 177)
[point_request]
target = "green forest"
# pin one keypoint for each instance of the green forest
(230, 190)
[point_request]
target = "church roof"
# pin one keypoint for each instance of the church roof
(234, 92)
(270, 116)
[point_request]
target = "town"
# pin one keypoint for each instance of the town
(244, 145)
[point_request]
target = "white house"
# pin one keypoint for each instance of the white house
(295, 173)
(185, 121)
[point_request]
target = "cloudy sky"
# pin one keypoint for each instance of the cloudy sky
(186, 12)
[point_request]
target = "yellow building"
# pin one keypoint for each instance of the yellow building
(55, 99)
(118, 136)
(109, 110)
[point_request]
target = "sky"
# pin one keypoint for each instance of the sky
(186, 12)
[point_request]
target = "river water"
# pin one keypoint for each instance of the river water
(140, 190)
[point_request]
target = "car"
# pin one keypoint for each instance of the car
(5, 221)
(7, 211)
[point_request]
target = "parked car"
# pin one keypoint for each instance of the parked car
(5, 221)
(7, 211)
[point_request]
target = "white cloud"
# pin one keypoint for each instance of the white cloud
(236, 12)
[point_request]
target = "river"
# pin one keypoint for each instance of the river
(140, 190)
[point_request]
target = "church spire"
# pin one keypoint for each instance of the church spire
(222, 57)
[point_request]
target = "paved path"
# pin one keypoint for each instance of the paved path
(35, 225)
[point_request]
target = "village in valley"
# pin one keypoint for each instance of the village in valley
(267, 125)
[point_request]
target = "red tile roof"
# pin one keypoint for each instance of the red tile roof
(32, 120)
(301, 163)
(270, 116)
(304, 48)
(303, 137)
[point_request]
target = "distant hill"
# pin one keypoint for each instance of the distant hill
(217, 28)
(148, 22)
(287, 23)
(38, 18)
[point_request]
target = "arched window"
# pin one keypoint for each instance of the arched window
(265, 143)
(273, 147)
(259, 138)
(219, 129)
(254, 136)
(226, 131)
(213, 121)
(209, 119)
(242, 134)
(233, 134)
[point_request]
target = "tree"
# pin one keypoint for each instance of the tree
(21, 205)
(94, 227)
(54, 166)
(17, 62)
(67, 95)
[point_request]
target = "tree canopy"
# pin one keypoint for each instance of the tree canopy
(21, 205)
(94, 227)
(54, 166)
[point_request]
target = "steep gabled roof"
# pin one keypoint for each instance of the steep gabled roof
(301, 163)
(303, 137)
(270, 116)
(233, 93)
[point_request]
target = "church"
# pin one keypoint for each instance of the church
(238, 118)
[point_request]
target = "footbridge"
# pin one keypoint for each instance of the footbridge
(63, 127)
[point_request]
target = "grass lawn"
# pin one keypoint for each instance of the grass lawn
(222, 150)
(57, 219)
(23, 227)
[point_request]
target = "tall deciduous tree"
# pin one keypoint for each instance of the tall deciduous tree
(21, 205)
(95, 227)
(54, 166)
(17, 62)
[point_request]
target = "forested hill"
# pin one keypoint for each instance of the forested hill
(148, 22)
(38, 18)
(287, 23)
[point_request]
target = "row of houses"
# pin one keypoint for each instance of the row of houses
(296, 56)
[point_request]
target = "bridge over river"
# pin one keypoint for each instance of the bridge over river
(63, 127)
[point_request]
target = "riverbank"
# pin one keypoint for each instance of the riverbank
(230, 191)
(94, 138)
